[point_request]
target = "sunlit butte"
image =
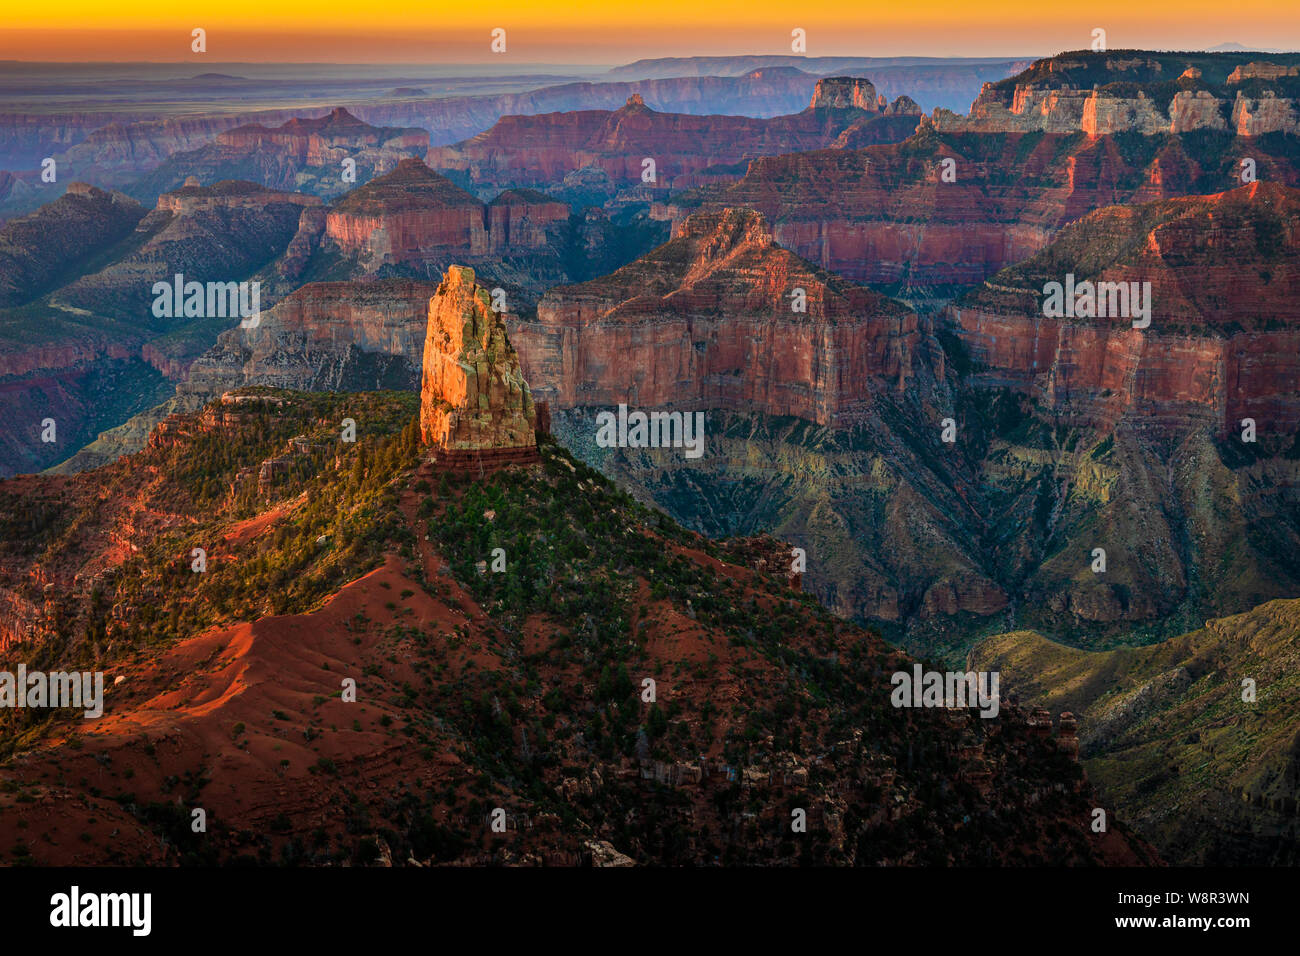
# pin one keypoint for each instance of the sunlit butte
(601, 32)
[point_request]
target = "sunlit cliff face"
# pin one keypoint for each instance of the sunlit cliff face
(473, 396)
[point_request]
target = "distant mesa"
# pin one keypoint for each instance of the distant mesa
(605, 149)
(407, 91)
(1261, 71)
(301, 154)
(476, 410)
(845, 92)
(414, 215)
(1131, 91)
(219, 77)
(338, 128)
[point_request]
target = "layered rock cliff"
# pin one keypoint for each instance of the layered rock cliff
(1066, 436)
(404, 215)
(1223, 341)
(719, 317)
(1138, 91)
(611, 147)
(821, 424)
(416, 223)
(474, 402)
(521, 219)
(943, 211)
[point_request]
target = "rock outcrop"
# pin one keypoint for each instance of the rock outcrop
(419, 222)
(522, 219)
(845, 92)
(475, 406)
(1068, 435)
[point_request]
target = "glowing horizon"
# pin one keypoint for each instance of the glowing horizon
(591, 32)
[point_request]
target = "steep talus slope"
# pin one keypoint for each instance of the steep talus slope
(1208, 776)
(73, 369)
(707, 322)
(224, 232)
(92, 351)
(517, 688)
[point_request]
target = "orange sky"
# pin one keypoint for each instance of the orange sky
(600, 31)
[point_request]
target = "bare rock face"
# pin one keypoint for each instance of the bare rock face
(845, 92)
(474, 403)
(403, 216)
(1224, 328)
(521, 218)
(1098, 94)
(720, 317)
(884, 214)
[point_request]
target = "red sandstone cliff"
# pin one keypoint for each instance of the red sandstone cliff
(520, 219)
(413, 216)
(1224, 338)
(707, 321)
(886, 215)
(398, 217)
